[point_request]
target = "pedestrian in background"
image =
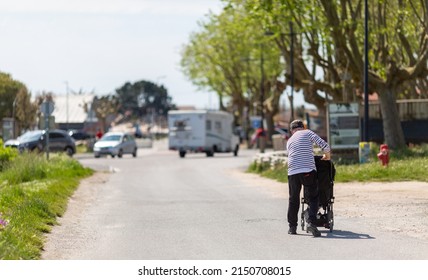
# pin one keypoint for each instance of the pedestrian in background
(302, 171)
(99, 134)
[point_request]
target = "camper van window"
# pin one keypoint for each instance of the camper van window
(180, 125)
(218, 127)
(208, 125)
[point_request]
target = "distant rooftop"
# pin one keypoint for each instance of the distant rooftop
(76, 105)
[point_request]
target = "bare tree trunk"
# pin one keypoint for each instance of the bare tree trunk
(221, 105)
(392, 130)
(269, 124)
(322, 115)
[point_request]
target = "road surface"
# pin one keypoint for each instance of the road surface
(162, 207)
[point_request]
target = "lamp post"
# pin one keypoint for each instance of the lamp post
(262, 139)
(366, 74)
(291, 71)
(13, 116)
(151, 98)
(66, 92)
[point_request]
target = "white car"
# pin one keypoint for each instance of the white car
(115, 144)
(13, 143)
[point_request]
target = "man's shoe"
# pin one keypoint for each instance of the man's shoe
(313, 229)
(292, 230)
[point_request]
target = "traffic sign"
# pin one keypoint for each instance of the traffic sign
(47, 108)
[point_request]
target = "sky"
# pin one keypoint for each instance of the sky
(99, 45)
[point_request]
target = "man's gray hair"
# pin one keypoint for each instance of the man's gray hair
(296, 124)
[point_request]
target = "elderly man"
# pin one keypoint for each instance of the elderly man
(302, 171)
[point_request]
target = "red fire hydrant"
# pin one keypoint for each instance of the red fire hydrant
(383, 155)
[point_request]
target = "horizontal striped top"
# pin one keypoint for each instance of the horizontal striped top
(300, 151)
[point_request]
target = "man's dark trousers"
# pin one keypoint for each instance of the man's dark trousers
(295, 182)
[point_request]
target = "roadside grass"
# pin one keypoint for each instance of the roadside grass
(407, 165)
(81, 149)
(33, 193)
(407, 169)
(84, 146)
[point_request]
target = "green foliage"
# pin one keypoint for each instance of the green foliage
(257, 167)
(417, 151)
(143, 98)
(104, 106)
(30, 166)
(83, 148)
(280, 174)
(225, 57)
(9, 88)
(33, 192)
(6, 155)
(328, 51)
(405, 165)
(406, 169)
(16, 101)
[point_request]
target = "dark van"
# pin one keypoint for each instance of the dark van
(59, 141)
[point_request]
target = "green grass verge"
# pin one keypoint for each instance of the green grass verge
(33, 193)
(408, 169)
(410, 165)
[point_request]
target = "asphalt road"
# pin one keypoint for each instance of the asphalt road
(161, 207)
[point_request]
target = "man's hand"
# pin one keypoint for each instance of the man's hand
(326, 156)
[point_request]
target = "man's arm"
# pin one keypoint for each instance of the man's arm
(322, 144)
(326, 156)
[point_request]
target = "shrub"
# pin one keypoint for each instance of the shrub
(6, 155)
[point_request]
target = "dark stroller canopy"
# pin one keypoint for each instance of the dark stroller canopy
(326, 173)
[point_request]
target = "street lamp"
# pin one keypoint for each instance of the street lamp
(292, 71)
(13, 116)
(66, 89)
(262, 139)
(366, 74)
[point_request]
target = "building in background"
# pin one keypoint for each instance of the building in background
(75, 112)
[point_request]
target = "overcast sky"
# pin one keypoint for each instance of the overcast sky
(101, 44)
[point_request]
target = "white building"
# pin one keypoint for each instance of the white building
(74, 112)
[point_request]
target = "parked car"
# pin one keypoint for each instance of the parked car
(13, 143)
(59, 141)
(79, 135)
(115, 144)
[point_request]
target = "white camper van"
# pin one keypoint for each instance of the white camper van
(202, 131)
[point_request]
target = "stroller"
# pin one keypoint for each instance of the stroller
(326, 173)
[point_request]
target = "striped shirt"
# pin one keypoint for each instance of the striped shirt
(300, 151)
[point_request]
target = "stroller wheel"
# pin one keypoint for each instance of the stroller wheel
(302, 222)
(330, 220)
(305, 217)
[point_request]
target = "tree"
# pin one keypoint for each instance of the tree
(25, 111)
(331, 38)
(142, 98)
(228, 56)
(398, 55)
(44, 96)
(103, 107)
(16, 102)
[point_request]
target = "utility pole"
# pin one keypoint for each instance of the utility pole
(292, 71)
(262, 136)
(366, 74)
(66, 92)
(13, 117)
